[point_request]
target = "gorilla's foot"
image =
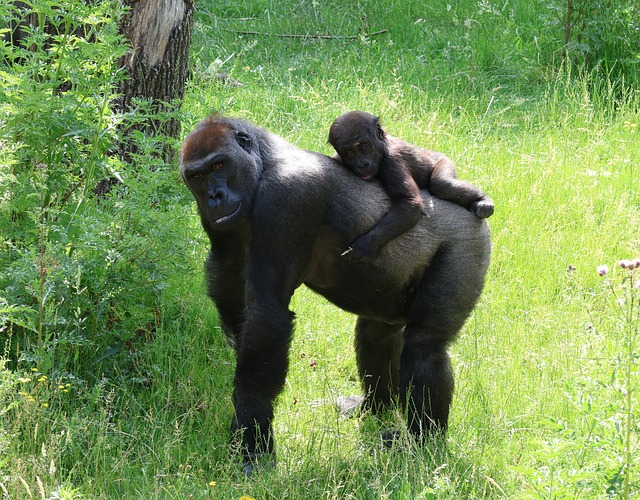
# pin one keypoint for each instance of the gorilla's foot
(389, 437)
(258, 462)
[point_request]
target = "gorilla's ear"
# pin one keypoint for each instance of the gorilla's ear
(244, 140)
(379, 129)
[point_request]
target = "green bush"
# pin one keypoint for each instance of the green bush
(80, 274)
(601, 35)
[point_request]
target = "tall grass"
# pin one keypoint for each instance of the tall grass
(546, 367)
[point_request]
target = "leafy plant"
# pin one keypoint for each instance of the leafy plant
(625, 291)
(79, 271)
(601, 34)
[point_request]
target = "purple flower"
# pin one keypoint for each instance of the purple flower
(629, 264)
(603, 269)
(625, 264)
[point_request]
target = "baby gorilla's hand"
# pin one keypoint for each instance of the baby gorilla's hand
(362, 250)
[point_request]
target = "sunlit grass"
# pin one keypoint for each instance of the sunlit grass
(547, 366)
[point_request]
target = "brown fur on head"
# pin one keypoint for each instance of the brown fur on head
(360, 141)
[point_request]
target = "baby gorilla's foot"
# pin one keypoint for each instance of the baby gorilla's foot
(482, 208)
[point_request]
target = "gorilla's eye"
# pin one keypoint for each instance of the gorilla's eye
(218, 166)
(364, 147)
(198, 176)
(349, 153)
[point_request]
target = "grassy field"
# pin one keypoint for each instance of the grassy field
(547, 367)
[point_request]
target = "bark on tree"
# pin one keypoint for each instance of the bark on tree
(159, 32)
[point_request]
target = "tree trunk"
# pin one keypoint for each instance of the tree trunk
(159, 32)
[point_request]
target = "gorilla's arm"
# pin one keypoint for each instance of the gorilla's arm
(224, 269)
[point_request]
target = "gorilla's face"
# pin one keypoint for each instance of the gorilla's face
(221, 167)
(360, 141)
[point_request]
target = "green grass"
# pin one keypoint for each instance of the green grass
(543, 366)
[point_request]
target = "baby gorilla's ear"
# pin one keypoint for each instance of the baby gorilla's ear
(379, 129)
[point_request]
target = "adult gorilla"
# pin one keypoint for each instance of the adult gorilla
(277, 217)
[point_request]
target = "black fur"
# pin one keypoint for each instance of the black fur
(369, 152)
(277, 217)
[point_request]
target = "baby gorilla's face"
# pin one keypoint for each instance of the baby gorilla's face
(359, 140)
(362, 158)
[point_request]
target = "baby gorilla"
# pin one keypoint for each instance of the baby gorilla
(369, 152)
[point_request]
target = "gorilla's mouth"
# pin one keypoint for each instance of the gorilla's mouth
(366, 172)
(368, 176)
(218, 220)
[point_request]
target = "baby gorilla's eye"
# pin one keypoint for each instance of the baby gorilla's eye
(364, 147)
(349, 153)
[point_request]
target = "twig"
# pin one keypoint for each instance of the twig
(307, 37)
(489, 106)
(567, 29)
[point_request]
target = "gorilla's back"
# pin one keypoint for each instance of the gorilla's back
(380, 289)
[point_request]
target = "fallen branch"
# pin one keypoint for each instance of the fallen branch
(310, 37)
